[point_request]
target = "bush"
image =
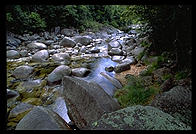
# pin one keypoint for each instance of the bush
(135, 93)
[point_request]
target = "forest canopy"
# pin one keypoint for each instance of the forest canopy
(168, 26)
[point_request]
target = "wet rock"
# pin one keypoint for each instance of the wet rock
(130, 60)
(114, 81)
(138, 118)
(114, 44)
(11, 94)
(109, 69)
(84, 40)
(49, 42)
(36, 45)
(177, 102)
(130, 42)
(60, 108)
(83, 49)
(121, 67)
(57, 30)
(94, 50)
(23, 72)
(58, 73)
(23, 53)
(40, 56)
(86, 101)
(115, 51)
(40, 118)
(67, 42)
(62, 57)
(80, 72)
(117, 58)
(13, 54)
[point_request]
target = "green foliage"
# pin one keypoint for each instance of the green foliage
(35, 18)
(170, 28)
(181, 75)
(135, 93)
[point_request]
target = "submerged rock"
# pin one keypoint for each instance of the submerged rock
(138, 118)
(40, 118)
(86, 101)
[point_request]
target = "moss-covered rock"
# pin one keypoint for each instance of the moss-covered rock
(138, 118)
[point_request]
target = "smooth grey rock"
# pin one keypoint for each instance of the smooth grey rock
(115, 51)
(23, 72)
(114, 81)
(67, 42)
(40, 56)
(11, 41)
(19, 109)
(40, 118)
(94, 50)
(138, 118)
(84, 40)
(13, 54)
(59, 57)
(117, 58)
(80, 72)
(114, 44)
(58, 73)
(23, 53)
(122, 67)
(130, 60)
(86, 101)
(36, 45)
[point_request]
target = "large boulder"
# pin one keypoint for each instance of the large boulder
(67, 42)
(177, 102)
(80, 72)
(23, 72)
(58, 73)
(13, 54)
(84, 40)
(40, 118)
(36, 45)
(86, 101)
(40, 56)
(138, 118)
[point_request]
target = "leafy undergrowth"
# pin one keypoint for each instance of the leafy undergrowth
(136, 93)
